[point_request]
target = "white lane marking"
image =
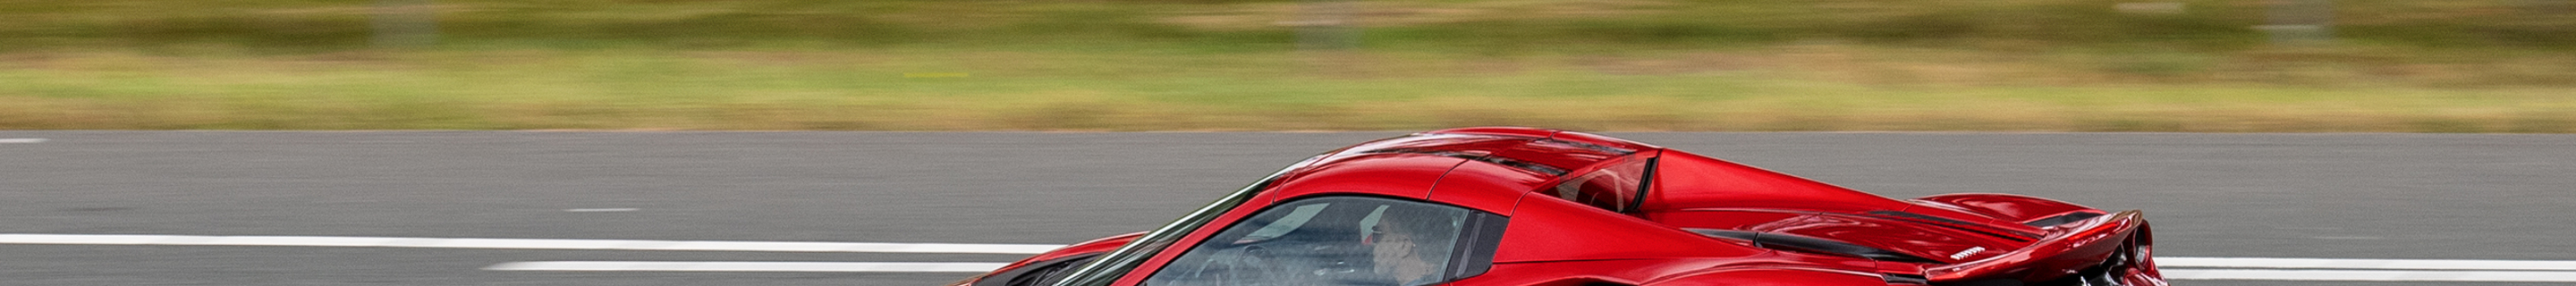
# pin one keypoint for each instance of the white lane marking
(22, 140)
(746, 266)
(509, 243)
(602, 210)
(2418, 264)
(2370, 275)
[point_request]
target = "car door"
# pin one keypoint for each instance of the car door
(1346, 240)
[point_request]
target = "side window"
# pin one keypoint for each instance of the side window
(1614, 188)
(1341, 241)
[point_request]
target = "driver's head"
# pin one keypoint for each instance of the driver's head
(1396, 246)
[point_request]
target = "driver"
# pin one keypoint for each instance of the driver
(1397, 251)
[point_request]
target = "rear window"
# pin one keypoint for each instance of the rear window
(1615, 188)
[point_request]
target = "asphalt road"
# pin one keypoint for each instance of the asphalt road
(2234, 195)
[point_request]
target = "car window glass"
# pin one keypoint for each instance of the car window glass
(1296, 217)
(1608, 188)
(1370, 221)
(1332, 241)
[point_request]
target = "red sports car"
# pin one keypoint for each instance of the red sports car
(1521, 206)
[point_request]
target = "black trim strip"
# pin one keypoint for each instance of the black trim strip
(1785, 241)
(1906, 279)
(2063, 219)
(1646, 183)
(1046, 272)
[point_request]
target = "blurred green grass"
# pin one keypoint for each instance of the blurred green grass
(2016, 65)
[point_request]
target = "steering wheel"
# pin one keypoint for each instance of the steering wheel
(1265, 266)
(1248, 265)
(1320, 262)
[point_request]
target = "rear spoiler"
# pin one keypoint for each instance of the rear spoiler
(2084, 244)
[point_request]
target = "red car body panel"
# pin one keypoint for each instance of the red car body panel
(1575, 232)
(1701, 220)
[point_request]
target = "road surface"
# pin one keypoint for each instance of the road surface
(2341, 196)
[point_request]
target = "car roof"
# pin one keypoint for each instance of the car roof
(1486, 168)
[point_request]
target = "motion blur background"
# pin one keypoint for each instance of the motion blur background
(1603, 65)
(2467, 66)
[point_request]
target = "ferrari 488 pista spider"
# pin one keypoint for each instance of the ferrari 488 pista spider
(1522, 206)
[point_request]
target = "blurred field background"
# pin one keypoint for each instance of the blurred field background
(1603, 65)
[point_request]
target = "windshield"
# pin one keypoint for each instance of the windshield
(1108, 268)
